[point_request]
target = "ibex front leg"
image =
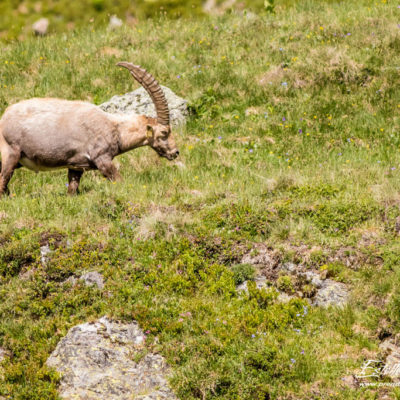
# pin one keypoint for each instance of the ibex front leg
(107, 168)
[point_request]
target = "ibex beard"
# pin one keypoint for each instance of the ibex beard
(46, 134)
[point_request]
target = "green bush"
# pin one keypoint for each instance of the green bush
(242, 273)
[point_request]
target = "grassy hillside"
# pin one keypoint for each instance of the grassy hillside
(17, 16)
(294, 142)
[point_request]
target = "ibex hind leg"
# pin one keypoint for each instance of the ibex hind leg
(74, 178)
(9, 162)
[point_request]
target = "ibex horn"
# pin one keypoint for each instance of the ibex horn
(153, 89)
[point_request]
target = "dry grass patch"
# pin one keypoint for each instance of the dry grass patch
(274, 75)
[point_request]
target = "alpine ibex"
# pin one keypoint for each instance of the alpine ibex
(45, 134)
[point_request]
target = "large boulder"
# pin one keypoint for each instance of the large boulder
(139, 102)
(96, 361)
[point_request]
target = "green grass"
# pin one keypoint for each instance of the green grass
(294, 142)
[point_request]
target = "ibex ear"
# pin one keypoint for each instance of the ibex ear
(149, 131)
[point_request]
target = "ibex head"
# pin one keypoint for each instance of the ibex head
(158, 130)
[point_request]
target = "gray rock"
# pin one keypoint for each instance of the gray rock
(331, 293)
(314, 278)
(93, 278)
(139, 102)
(44, 252)
(261, 283)
(96, 363)
(41, 26)
(290, 267)
(391, 354)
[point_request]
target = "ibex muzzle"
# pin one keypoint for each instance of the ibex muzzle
(46, 134)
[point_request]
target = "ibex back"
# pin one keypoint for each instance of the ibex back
(46, 134)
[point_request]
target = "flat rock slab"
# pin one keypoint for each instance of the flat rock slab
(139, 102)
(96, 361)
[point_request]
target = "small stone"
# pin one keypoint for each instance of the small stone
(260, 281)
(41, 27)
(44, 252)
(115, 22)
(314, 278)
(289, 267)
(331, 293)
(139, 102)
(391, 354)
(242, 287)
(93, 278)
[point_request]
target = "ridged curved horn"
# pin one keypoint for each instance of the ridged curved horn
(152, 88)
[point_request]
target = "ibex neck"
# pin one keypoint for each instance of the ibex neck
(131, 132)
